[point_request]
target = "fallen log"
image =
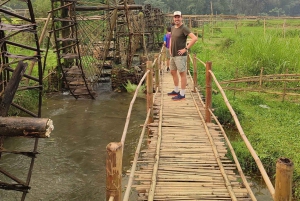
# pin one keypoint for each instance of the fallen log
(26, 127)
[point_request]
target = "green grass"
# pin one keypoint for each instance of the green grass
(271, 125)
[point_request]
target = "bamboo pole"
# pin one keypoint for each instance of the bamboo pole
(156, 69)
(284, 178)
(245, 182)
(195, 80)
(42, 36)
(208, 99)
(244, 137)
(136, 156)
(130, 109)
(164, 60)
(150, 91)
(188, 62)
(114, 152)
(261, 76)
(284, 88)
(157, 155)
(215, 151)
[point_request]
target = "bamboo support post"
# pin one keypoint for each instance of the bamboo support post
(164, 56)
(284, 178)
(261, 76)
(195, 73)
(42, 36)
(26, 127)
(150, 91)
(156, 68)
(284, 88)
(114, 171)
(208, 100)
(188, 63)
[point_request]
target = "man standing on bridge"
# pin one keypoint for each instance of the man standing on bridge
(178, 53)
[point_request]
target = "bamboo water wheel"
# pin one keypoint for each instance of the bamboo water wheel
(21, 75)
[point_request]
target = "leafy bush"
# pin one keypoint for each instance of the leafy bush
(131, 88)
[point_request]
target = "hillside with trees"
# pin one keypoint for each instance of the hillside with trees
(229, 7)
(277, 8)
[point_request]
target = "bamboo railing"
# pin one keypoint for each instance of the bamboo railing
(115, 149)
(285, 78)
(284, 192)
(284, 166)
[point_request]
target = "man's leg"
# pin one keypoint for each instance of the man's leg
(183, 82)
(175, 77)
(181, 67)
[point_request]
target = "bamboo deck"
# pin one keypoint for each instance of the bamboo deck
(185, 158)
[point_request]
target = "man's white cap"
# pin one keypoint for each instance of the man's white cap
(177, 13)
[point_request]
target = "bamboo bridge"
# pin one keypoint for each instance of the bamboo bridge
(182, 152)
(186, 157)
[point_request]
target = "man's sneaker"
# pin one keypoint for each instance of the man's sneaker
(178, 97)
(173, 93)
(168, 69)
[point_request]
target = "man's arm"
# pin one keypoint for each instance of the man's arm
(193, 41)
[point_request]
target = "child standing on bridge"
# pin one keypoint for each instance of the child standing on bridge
(178, 51)
(167, 38)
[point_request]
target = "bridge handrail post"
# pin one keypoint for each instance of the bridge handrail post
(156, 68)
(150, 91)
(114, 156)
(163, 57)
(284, 178)
(195, 73)
(188, 63)
(208, 99)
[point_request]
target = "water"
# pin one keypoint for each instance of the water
(71, 163)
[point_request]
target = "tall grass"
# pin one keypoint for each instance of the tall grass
(272, 126)
(251, 52)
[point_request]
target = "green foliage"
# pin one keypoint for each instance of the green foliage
(131, 88)
(31, 102)
(41, 8)
(270, 125)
